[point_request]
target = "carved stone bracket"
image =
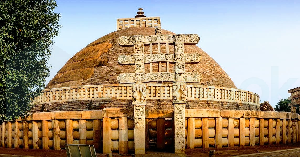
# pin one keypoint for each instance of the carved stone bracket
(179, 93)
(139, 94)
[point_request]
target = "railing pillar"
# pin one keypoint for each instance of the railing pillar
(35, 135)
(284, 136)
(231, 132)
(219, 132)
(45, 138)
(277, 131)
(56, 135)
(205, 133)
(25, 134)
(107, 135)
(82, 132)
(9, 137)
(123, 135)
(252, 131)
(261, 131)
(191, 133)
(242, 131)
(270, 131)
(16, 136)
(69, 131)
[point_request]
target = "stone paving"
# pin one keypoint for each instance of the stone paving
(278, 153)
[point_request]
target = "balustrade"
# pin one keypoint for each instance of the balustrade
(153, 91)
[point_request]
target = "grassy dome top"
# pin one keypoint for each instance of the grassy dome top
(97, 63)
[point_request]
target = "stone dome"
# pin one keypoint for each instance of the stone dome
(97, 63)
(140, 64)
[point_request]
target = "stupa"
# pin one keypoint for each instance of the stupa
(143, 88)
(146, 71)
(104, 72)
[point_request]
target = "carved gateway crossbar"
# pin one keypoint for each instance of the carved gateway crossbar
(153, 91)
(179, 58)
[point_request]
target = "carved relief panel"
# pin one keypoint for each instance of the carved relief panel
(139, 94)
(179, 93)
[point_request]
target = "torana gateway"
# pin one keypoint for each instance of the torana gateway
(142, 88)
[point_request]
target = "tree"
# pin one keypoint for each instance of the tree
(283, 105)
(27, 29)
(266, 106)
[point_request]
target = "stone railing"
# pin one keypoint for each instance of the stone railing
(199, 92)
(124, 23)
(153, 91)
(204, 129)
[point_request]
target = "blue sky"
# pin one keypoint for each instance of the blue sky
(257, 42)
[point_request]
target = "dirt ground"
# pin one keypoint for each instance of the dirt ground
(199, 152)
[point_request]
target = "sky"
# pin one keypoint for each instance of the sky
(257, 42)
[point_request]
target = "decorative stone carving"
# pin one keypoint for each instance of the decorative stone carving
(126, 59)
(139, 94)
(191, 38)
(152, 58)
(179, 119)
(180, 67)
(179, 93)
(158, 76)
(139, 77)
(122, 91)
(182, 38)
(192, 58)
(179, 51)
(138, 47)
(191, 77)
(126, 78)
(139, 113)
(179, 88)
(179, 55)
(139, 130)
(127, 40)
(139, 63)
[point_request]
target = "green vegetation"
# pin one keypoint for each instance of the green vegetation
(27, 28)
(283, 105)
